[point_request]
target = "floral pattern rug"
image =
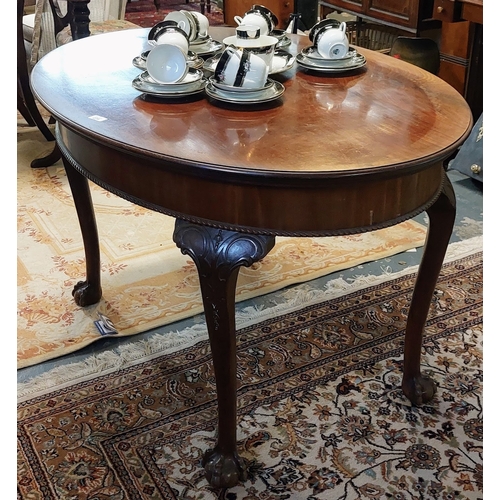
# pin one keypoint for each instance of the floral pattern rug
(320, 410)
(146, 280)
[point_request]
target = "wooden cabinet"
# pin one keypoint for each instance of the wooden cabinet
(280, 8)
(461, 48)
(401, 12)
(409, 15)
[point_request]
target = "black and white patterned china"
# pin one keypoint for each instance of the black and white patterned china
(193, 60)
(283, 39)
(230, 88)
(331, 65)
(282, 61)
(267, 94)
(312, 53)
(208, 47)
(192, 83)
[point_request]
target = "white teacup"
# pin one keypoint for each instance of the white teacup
(169, 32)
(267, 12)
(185, 21)
(247, 32)
(256, 18)
(331, 42)
(249, 37)
(203, 24)
(241, 68)
(167, 63)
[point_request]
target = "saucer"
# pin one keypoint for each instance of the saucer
(208, 48)
(195, 62)
(283, 40)
(193, 75)
(262, 41)
(200, 40)
(282, 61)
(232, 88)
(193, 82)
(312, 53)
(191, 56)
(267, 94)
(159, 90)
(139, 62)
(356, 62)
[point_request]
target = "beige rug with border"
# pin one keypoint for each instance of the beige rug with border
(146, 280)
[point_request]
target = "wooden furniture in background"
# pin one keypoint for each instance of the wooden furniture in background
(423, 52)
(26, 104)
(412, 16)
(57, 22)
(383, 165)
(280, 8)
(373, 36)
(462, 48)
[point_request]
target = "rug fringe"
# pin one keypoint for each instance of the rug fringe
(140, 351)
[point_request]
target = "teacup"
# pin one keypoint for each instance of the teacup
(249, 37)
(195, 25)
(332, 43)
(167, 63)
(320, 25)
(169, 32)
(267, 12)
(241, 68)
(247, 32)
(185, 21)
(202, 24)
(256, 18)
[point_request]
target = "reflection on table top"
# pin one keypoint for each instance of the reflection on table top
(388, 114)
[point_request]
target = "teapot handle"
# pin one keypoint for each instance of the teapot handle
(238, 20)
(342, 26)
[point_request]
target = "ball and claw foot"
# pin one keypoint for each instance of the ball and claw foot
(223, 471)
(419, 390)
(86, 294)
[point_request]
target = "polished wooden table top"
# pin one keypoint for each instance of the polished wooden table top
(404, 104)
(387, 119)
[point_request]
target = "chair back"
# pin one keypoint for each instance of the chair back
(372, 36)
(422, 52)
(52, 16)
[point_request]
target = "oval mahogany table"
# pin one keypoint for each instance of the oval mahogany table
(335, 155)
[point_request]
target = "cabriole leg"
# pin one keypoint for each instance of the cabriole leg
(419, 388)
(218, 255)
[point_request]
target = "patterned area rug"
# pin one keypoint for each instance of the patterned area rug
(320, 410)
(146, 280)
(145, 14)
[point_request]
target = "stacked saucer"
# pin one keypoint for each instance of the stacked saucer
(283, 39)
(241, 77)
(192, 83)
(205, 46)
(310, 58)
(270, 91)
(193, 60)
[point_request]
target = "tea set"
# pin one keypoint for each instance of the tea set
(330, 51)
(240, 66)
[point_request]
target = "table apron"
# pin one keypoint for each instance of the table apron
(328, 206)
